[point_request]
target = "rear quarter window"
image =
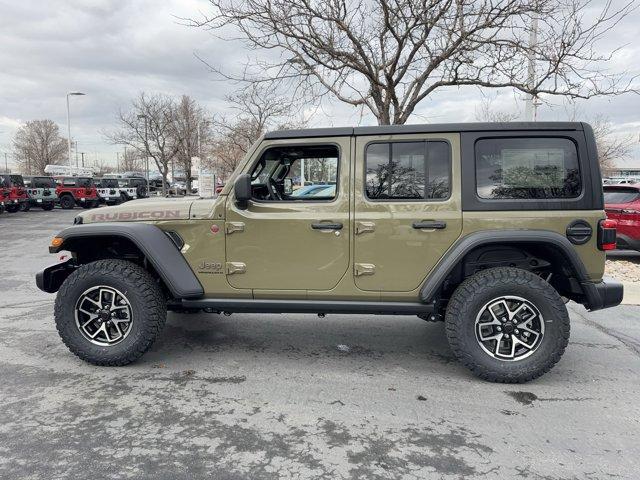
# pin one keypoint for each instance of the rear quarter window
(521, 168)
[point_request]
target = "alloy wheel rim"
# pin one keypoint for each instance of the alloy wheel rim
(509, 328)
(103, 315)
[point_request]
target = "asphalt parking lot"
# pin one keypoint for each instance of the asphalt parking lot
(296, 396)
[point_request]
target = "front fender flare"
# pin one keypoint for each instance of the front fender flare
(159, 250)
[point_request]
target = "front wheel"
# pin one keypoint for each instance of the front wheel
(25, 207)
(110, 312)
(47, 206)
(507, 325)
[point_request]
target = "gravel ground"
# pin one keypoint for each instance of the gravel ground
(295, 396)
(624, 266)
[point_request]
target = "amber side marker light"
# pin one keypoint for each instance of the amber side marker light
(56, 242)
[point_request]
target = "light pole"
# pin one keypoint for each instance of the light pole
(146, 150)
(69, 122)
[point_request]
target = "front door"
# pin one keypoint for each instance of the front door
(407, 208)
(294, 233)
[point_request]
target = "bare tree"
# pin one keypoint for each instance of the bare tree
(37, 144)
(258, 108)
(486, 112)
(132, 161)
(191, 130)
(388, 55)
(101, 167)
(612, 147)
(156, 140)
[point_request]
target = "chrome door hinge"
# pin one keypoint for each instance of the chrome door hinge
(231, 227)
(364, 269)
(236, 267)
(364, 227)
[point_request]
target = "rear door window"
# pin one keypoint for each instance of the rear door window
(527, 168)
(408, 170)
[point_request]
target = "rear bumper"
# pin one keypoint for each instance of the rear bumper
(605, 294)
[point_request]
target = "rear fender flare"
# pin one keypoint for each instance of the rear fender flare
(469, 242)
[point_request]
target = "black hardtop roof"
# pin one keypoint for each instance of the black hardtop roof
(424, 128)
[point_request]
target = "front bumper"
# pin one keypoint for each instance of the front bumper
(50, 279)
(604, 294)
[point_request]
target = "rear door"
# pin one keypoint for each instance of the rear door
(407, 208)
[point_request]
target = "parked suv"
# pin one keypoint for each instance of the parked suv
(15, 194)
(41, 191)
(488, 227)
(622, 204)
(133, 187)
(79, 191)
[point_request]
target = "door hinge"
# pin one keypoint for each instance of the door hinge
(236, 267)
(364, 227)
(231, 227)
(364, 269)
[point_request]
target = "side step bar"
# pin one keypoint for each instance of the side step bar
(248, 305)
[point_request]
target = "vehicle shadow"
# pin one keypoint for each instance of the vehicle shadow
(351, 341)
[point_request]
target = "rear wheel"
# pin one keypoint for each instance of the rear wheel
(110, 312)
(507, 325)
(67, 202)
(25, 207)
(13, 208)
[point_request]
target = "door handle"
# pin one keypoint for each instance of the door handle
(437, 225)
(326, 226)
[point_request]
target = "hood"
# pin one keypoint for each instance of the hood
(143, 210)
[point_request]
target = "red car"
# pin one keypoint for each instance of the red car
(16, 197)
(74, 191)
(622, 204)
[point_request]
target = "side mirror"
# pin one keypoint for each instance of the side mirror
(242, 190)
(288, 186)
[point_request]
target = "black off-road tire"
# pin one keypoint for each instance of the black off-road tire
(67, 202)
(149, 311)
(474, 293)
(13, 208)
(47, 206)
(25, 207)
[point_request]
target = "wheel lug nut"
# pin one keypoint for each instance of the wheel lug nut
(499, 329)
(517, 331)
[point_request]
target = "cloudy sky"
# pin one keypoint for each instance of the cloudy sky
(114, 49)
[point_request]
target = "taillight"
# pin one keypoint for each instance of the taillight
(607, 234)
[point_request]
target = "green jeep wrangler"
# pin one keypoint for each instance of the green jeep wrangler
(491, 228)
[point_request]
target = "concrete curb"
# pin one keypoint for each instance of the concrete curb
(631, 293)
